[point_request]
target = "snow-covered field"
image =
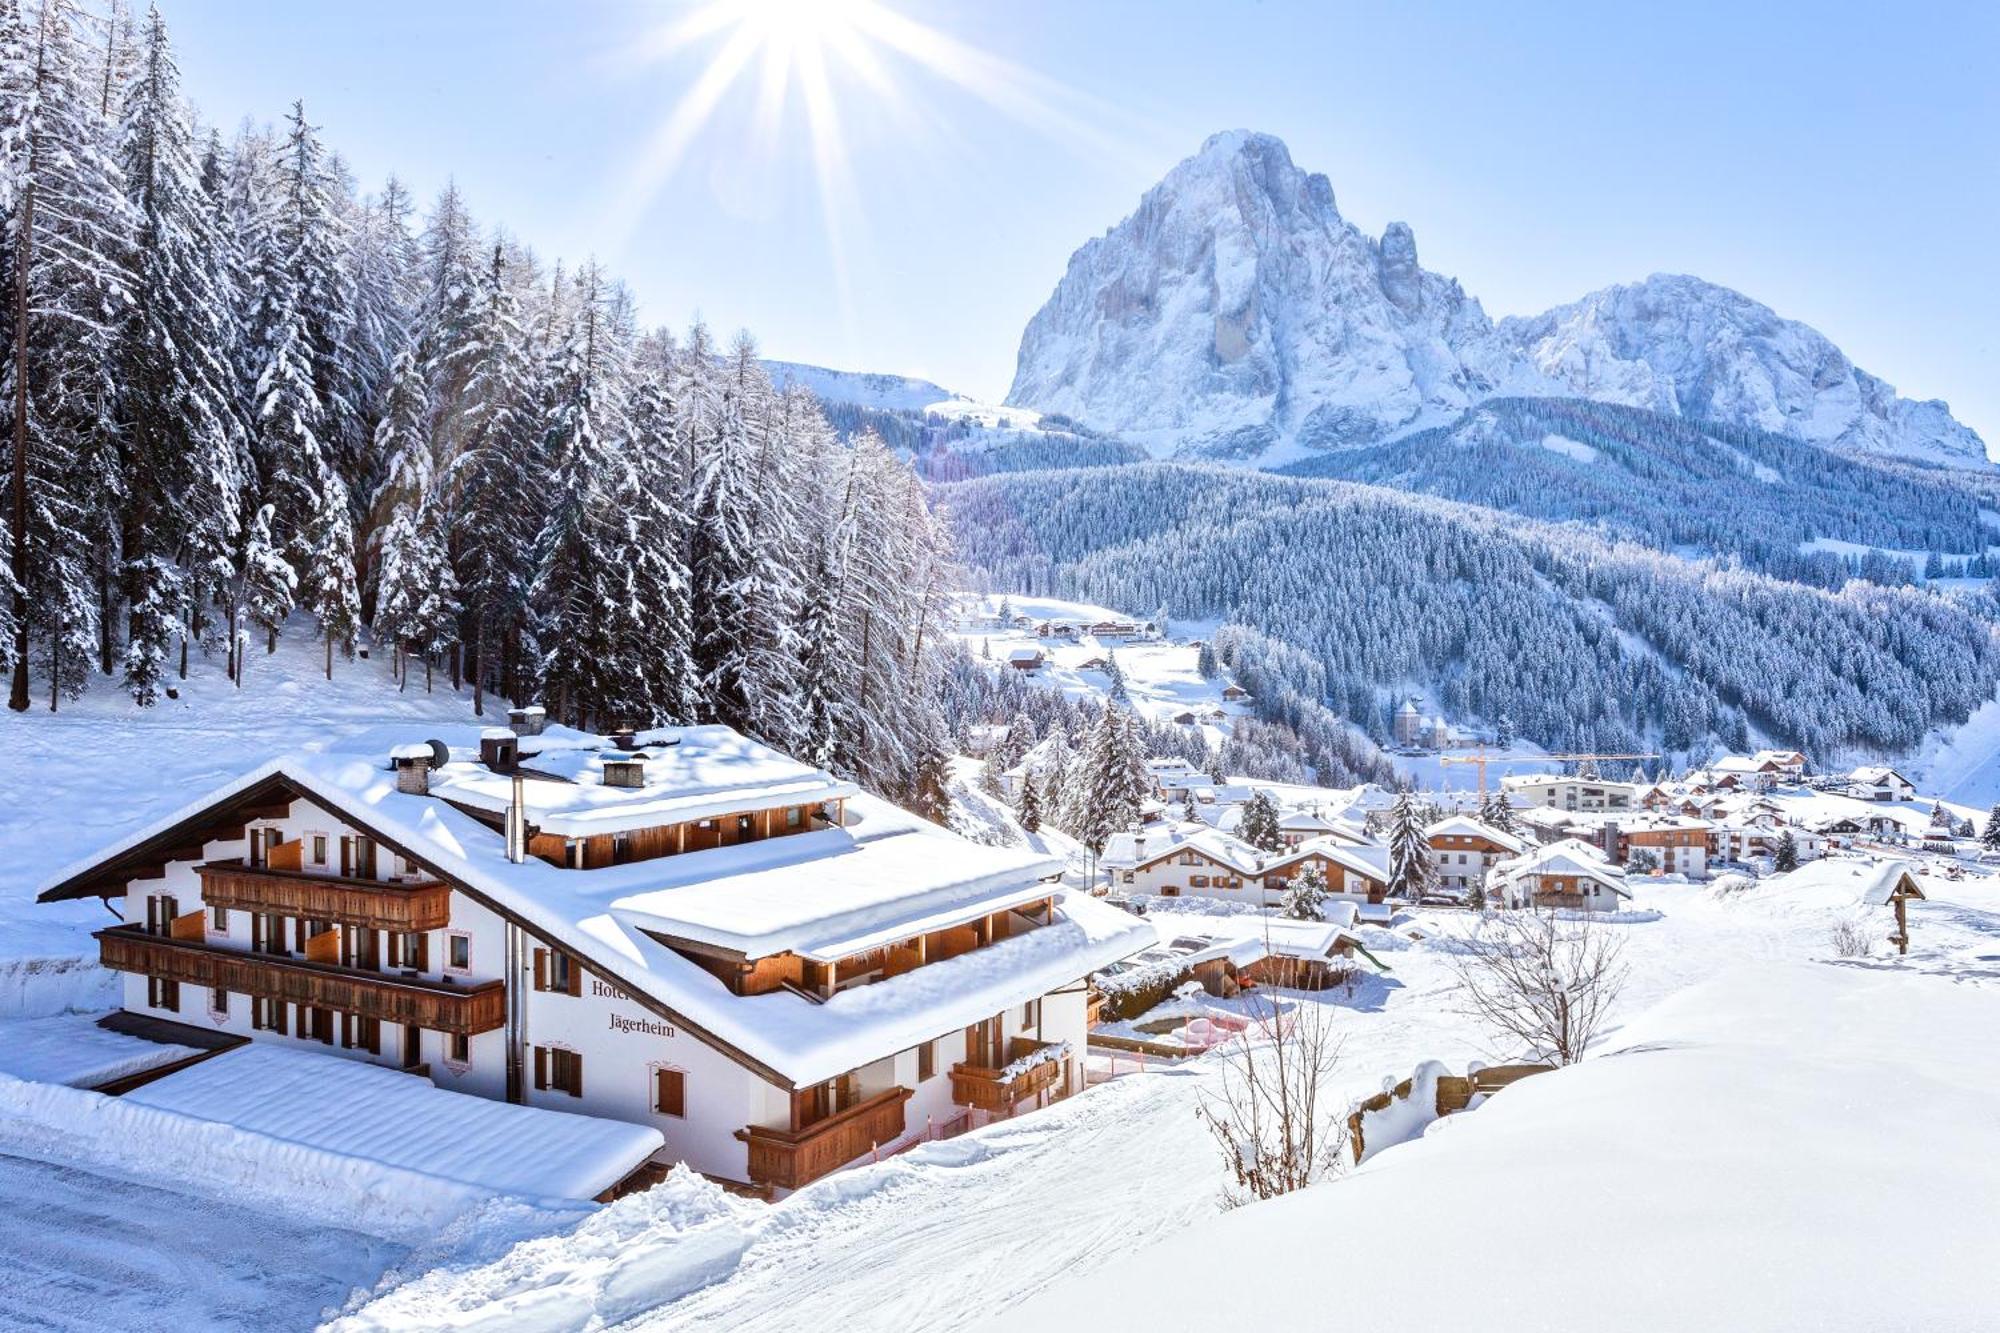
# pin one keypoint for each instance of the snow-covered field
(955, 1234)
(948, 1235)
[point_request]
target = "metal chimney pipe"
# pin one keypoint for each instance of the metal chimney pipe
(517, 822)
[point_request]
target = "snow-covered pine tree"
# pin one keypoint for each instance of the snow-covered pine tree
(269, 588)
(183, 436)
(652, 527)
(1411, 874)
(1989, 837)
(1497, 812)
(330, 591)
(1029, 811)
(382, 263)
(1107, 782)
(580, 596)
(1114, 675)
(67, 228)
(1258, 824)
(1304, 898)
(1205, 663)
(1786, 856)
(493, 484)
(308, 236)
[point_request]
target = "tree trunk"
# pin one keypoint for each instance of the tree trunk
(457, 675)
(18, 698)
(478, 671)
(329, 656)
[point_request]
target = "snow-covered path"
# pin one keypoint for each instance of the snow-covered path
(86, 1251)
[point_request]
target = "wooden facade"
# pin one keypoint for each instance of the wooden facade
(790, 1158)
(438, 1006)
(984, 1089)
(368, 904)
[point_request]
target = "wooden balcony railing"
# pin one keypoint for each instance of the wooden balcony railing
(985, 1089)
(369, 903)
(427, 1004)
(787, 1159)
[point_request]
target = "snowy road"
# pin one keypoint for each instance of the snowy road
(81, 1250)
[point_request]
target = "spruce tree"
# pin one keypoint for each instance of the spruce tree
(330, 592)
(1259, 823)
(1786, 857)
(1305, 894)
(269, 586)
(1029, 811)
(1411, 874)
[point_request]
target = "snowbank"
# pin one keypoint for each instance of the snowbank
(1788, 1146)
(72, 1050)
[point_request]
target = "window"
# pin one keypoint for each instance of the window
(1030, 1013)
(557, 971)
(267, 933)
(1198, 881)
(559, 1070)
(795, 815)
(218, 920)
(743, 826)
(360, 1032)
(162, 993)
(160, 913)
(670, 1092)
(410, 952)
(621, 848)
(926, 1061)
(319, 849)
(218, 1001)
(268, 1015)
(458, 954)
(318, 1025)
(460, 1052)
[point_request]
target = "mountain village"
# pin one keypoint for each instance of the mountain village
(1320, 803)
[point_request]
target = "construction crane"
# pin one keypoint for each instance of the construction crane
(1481, 759)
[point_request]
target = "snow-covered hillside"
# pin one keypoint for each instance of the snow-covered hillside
(75, 780)
(1237, 314)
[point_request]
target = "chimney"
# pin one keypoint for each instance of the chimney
(624, 769)
(517, 822)
(413, 769)
(499, 749)
(527, 721)
(625, 739)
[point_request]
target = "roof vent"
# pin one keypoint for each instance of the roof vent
(623, 769)
(527, 721)
(499, 749)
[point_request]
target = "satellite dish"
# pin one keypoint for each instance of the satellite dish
(440, 752)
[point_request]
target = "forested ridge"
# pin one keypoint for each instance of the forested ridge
(1674, 482)
(244, 394)
(1576, 641)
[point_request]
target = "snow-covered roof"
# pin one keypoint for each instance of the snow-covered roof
(1569, 856)
(1025, 655)
(356, 1109)
(885, 869)
(1877, 775)
(1464, 826)
(689, 773)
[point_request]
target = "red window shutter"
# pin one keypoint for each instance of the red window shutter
(541, 1068)
(672, 1099)
(541, 969)
(575, 978)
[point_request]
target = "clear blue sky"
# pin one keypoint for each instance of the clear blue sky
(1837, 162)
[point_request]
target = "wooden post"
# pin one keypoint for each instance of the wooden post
(1902, 923)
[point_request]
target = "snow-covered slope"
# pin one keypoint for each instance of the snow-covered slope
(860, 388)
(1678, 344)
(1237, 314)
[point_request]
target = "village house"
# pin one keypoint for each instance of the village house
(1675, 844)
(1195, 860)
(1876, 783)
(1747, 840)
(1570, 874)
(1026, 659)
(1464, 851)
(682, 928)
(1234, 693)
(1561, 792)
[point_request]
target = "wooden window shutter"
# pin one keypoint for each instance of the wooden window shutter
(541, 1068)
(575, 975)
(576, 1074)
(541, 970)
(672, 1092)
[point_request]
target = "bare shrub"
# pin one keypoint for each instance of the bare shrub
(1266, 1109)
(1850, 939)
(1541, 980)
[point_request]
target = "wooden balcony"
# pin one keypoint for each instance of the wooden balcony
(427, 1004)
(371, 904)
(789, 1158)
(986, 1089)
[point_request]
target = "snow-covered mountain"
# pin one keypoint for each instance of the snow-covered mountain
(1237, 314)
(858, 387)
